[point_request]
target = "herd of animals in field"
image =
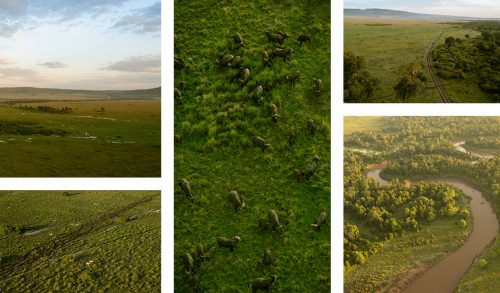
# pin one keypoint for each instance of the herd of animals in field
(230, 60)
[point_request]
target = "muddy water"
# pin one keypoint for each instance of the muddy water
(444, 276)
(459, 147)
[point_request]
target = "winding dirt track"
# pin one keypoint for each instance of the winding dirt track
(428, 59)
(99, 223)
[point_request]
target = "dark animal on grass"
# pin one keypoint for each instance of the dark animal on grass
(274, 220)
(224, 242)
(266, 258)
(318, 85)
(178, 95)
(263, 224)
(225, 60)
(235, 63)
(283, 53)
(276, 38)
(304, 38)
(200, 249)
(311, 126)
(292, 135)
(244, 76)
(320, 220)
(238, 40)
(293, 78)
(186, 188)
(259, 91)
(273, 110)
(177, 139)
(235, 199)
(260, 142)
(263, 283)
(307, 170)
(265, 58)
(188, 263)
(179, 63)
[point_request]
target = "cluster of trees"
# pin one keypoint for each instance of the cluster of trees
(27, 128)
(359, 85)
(489, 143)
(46, 109)
(410, 83)
(477, 57)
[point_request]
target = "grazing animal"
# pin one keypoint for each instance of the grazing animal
(263, 283)
(263, 224)
(304, 38)
(188, 263)
(186, 188)
(312, 127)
(282, 52)
(267, 258)
(177, 139)
(225, 60)
(238, 40)
(235, 63)
(318, 85)
(200, 249)
(228, 243)
(293, 78)
(178, 95)
(320, 220)
(276, 38)
(292, 134)
(307, 170)
(260, 142)
(274, 220)
(179, 63)
(234, 197)
(244, 76)
(259, 91)
(265, 58)
(273, 110)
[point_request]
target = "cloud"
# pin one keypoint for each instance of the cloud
(53, 64)
(150, 64)
(146, 20)
(13, 7)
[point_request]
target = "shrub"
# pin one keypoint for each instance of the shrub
(482, 263)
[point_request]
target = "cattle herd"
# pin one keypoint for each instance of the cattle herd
(230, 60)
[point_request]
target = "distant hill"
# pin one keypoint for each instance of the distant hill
(31, 93)
(388, 13)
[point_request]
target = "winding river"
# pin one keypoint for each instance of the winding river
(445, 275)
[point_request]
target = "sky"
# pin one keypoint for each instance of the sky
(470, 8)
(80, 44)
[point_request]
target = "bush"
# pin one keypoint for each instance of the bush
(482, 263)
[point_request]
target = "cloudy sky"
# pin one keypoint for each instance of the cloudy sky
(472, 8)
(80, 44)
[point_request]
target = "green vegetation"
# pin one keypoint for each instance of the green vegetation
(404, 228)
(219, 111)
(390, 49)
(102, 138)
(74, 243)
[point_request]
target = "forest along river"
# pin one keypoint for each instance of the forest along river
(444, 276)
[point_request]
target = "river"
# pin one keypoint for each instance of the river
(445, 275)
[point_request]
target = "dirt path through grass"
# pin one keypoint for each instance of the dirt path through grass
(428, 62)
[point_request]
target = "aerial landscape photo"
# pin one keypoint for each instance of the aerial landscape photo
(80, 88)
(252, 146)
(422, 51)
(421, 204)
(80, 241)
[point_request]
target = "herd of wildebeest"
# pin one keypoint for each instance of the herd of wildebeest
(230, 59)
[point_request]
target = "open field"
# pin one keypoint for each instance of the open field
(101, 138)
(389, 45)
(215, 150)
(80, 241)
(30, 94)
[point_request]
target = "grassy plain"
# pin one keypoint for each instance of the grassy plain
(80, 241)
(217, 121)
(101, 138)
(388, 45)
(353, 124)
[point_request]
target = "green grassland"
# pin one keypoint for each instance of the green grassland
(101, 138)
(30, 94)
(80, 241)
(216, 122)
(353, 124)
(388, 49)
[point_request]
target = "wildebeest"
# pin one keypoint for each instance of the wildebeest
(238, 40)
(244, 76)
(260, 142)
(228, 243)
(179, 63)
(235, 62)
(292, 134)
(235, 199)
(265, 58)
(263, 283)
(225, 60)
(259, 91)
(282, 52)
(177, 139)
(200, 249)
(273, 110)
(307, 170)
(320, 220)
(304, 38)
(311, 126)
(294, 77)
(274, 219)
(186, 188)
(188, 263)
(276, 38)
(266, 258)
(178, 95)
(318, 85)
